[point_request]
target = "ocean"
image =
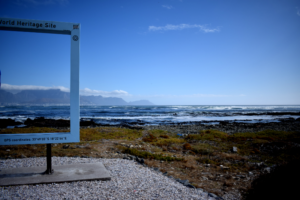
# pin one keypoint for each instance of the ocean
(156, 115)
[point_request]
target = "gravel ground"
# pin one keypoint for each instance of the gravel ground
(130, 180)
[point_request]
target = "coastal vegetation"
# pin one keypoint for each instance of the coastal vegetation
(210, 159)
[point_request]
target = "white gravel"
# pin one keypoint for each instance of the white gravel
(129, 180)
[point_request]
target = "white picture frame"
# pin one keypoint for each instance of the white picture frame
(72, 29)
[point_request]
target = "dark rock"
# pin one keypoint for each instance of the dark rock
(87, 123)
(141, 160)
(42, 122)
(190, 186)
(131, 157)
(212, 195)
(8, 122)
(79, 146)
(66, 146)
(184, 182)
(84, 157)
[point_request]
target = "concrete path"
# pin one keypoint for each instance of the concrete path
(62, 173)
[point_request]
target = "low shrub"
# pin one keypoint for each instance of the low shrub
(202, 148)
(206, 161)
(150, 138)
(168, 142)
(187, 146)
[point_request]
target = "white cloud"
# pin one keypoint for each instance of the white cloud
(122, 94)
(170, 27)
(298, 11)
(115, 93)
(186, 96)
(167, 6)
(85, 91)
(32, 87)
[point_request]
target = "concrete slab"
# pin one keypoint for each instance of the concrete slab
(62, 173)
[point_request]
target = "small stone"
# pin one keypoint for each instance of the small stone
(200, 189)
(234, 149)
(7, 149)
(66, 146)
(241, 176)
(267, 170)
(22, 156)
(212, 195)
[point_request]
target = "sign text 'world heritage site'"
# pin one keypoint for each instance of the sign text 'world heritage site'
(27, 24)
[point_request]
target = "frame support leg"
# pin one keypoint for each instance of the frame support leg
(49, 161)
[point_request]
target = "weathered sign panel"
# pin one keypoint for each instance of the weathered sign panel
(72, 29)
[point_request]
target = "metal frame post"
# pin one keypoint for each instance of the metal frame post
(49, 169)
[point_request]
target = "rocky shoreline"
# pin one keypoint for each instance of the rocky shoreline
(230, 127)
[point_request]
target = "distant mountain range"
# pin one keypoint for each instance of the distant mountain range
(56, 96)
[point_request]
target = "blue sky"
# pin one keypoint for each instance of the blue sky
(171, 52)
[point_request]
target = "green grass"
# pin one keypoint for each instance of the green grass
(202, 148)
(109, 133)
(31, 130)
(168, 142)
(144, 154)
(85, 134)
(267, 135)
(212, 135)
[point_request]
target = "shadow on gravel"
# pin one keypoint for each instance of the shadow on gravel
(282, 183)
